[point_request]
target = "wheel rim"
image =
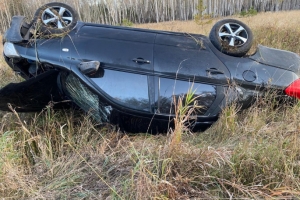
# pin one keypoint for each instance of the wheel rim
(233, 34)
(57, 17)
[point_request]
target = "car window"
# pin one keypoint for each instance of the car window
(169, 88)
(128, 89)
(86, 99)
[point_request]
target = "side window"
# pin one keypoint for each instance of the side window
(170, 89)
(130, 90)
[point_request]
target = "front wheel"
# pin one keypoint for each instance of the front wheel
(231, 37)
(55, 18)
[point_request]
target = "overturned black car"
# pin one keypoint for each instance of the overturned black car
(131, 77)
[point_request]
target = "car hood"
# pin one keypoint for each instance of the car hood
(278, 58)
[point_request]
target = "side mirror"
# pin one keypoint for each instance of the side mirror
(89, 67)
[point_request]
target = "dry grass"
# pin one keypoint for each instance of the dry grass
(7, 75)
(253, 154)
(275, 29)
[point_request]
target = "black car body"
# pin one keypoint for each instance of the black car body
(130, 76)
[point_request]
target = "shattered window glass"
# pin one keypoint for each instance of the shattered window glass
(86, 99)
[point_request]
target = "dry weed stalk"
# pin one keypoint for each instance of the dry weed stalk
(185, 107)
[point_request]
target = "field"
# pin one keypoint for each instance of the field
(251, 154)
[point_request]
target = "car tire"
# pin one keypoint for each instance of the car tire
(231, 37)
(55, 18)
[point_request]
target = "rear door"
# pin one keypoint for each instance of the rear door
(188, 56)
(185, 62)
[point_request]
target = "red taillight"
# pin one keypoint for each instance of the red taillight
(293, 90)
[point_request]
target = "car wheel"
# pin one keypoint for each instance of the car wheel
(231, 37)
(55, 18)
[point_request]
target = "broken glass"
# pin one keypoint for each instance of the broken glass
(88, 101)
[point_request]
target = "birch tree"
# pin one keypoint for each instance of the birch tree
(144, 11)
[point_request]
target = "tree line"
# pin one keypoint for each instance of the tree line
(116, 12)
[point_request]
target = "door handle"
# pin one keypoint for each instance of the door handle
(141, 61)
(214, 71)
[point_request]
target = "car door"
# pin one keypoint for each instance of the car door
(124, 49)
(126, 61)
(185, 62)
(186, 56)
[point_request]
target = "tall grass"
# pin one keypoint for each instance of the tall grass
(55, 155)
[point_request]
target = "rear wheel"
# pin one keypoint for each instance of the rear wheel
(231, 37)
(55, 18)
